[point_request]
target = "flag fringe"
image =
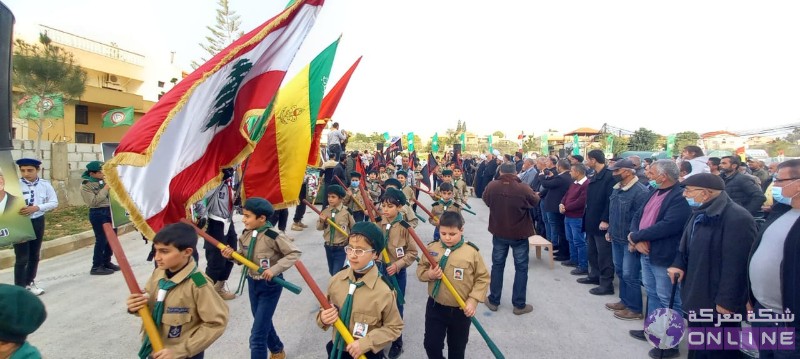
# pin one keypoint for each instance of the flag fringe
(139, 160)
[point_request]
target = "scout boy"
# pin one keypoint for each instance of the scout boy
(374, 187)
(368, 304)
(400, 246)
(459, 185)
(402, 176)
(464, 268)
(185, 306)
(275, 253)
(444, 204)
(408, 213)
(382, 175)
(21, 313)
(354, 201)
(447, 177)
(335, 240)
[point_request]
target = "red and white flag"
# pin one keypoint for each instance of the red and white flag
(173, 155)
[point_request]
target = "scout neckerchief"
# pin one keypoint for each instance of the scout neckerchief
(347, 311)
(31, 187)
(253, 237)
(396, 219)
(164, 286)
(443, 263)
(334, 211)
(446, 204)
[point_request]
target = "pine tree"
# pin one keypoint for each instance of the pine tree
(223, 33)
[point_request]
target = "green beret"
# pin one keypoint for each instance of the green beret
(372, 232)
(259, 207)
(21, 313)
(355, 174)
(94, 166)
(396, 194)
(401, 172)
(392, 182)
(337, 190)
(447, 172)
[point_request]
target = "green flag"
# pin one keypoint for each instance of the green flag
(545, 147)
(576, 145)
(463, 141)
(491, 148)
(386, 137)
(670, 145)
(610, 144)
(411, 142)
(435, 142)
(52, 106)
(118, 117)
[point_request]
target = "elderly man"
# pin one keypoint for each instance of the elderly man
(628, 197)
(656, 231)
(7, 201)
(528, 173)
(712, 259)
(510, 223)
(637, 162)
(774, 267)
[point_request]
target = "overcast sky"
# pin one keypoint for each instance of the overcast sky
(510, 66)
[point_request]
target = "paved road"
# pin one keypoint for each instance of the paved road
(87, 315)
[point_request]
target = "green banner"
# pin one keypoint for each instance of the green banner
(410, 142)
(463, 141)
(386, 136)
(670, 145)
(118, 117)
(14, 227)
(435, 142)
(119, 215)
(52, 107)
(545, 146)
(610, 144)
(576, 145)
(491, 148)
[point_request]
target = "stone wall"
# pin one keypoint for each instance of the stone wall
(62, 164)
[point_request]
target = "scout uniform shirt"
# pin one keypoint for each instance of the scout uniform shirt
(343, 218)
(439, 207)
(383, 176)
(460, 188)
(95, 194)
(271, 250)
(401, 247)
(410, 195)
(456, 193)
(374, 308)
(194, 314)
(374, 188)
(355, 202)
(408, 215)
(464, 269)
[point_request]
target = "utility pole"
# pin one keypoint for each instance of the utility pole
(6, 29)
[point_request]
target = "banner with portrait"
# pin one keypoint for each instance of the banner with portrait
(119, 215)
(14, 227)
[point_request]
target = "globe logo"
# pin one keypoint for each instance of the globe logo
(664, 328)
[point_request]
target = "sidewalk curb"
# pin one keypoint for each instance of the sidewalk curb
(60, 246)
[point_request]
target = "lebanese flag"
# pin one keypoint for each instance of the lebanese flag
(172, 156)
(326, 110)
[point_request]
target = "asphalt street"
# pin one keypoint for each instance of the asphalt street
(87, 315)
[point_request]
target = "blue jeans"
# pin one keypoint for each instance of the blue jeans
(264, 296)
(554, 226)
(577, 242)
(336, 257)
(520, 248)
(658, 287)
(628, 267)
(401, 282)
(102, 251)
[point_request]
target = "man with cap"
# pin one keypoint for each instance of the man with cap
(95, 194)
(628, 195)
(40, 197)
(21, 313)
(713, 254)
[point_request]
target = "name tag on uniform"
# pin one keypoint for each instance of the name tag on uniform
(177, 310)
(264, 263)
(458, 273)
(400, 252)
(360, 330)
(174, 332)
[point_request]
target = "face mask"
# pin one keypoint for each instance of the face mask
(617, 178)
(777, 196)
(693, 203)
(653, 184)
(355, 183)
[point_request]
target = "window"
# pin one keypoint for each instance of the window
(81, 115)
(84, 137)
